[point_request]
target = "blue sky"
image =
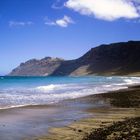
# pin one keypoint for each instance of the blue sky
(62, 28)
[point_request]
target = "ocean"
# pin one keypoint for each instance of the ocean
(24, 91)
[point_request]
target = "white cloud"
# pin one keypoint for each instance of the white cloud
(106, 9)
(19, 23)
(63, 22)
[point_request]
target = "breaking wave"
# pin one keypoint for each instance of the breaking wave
(53, 93)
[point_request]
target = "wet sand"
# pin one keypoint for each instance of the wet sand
(19, 123)
(116, 117)
(34, 121)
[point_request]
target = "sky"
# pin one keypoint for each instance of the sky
(62, 28)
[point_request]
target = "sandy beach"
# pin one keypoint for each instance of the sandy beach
(117, 116)
(109, 116)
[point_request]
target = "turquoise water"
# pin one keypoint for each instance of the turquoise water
(22, 91)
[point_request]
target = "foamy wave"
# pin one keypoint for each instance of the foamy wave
(53, 93)
(58, 87)
(48, 87)
(131, 81)
(109, 78)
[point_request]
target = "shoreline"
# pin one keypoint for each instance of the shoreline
(59, 102)
(55, 103)
(124, 108)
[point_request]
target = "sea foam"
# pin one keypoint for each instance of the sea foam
(19, 95)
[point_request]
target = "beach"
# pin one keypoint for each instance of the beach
(69, 108)
(120, 120)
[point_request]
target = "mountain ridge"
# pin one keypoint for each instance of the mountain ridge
(121, 58)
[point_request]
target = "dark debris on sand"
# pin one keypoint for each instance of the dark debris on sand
(126, 130)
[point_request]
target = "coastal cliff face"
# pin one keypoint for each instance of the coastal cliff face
(113, 59)
(36, 67)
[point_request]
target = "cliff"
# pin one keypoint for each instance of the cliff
(36, 67)
(114, 59)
